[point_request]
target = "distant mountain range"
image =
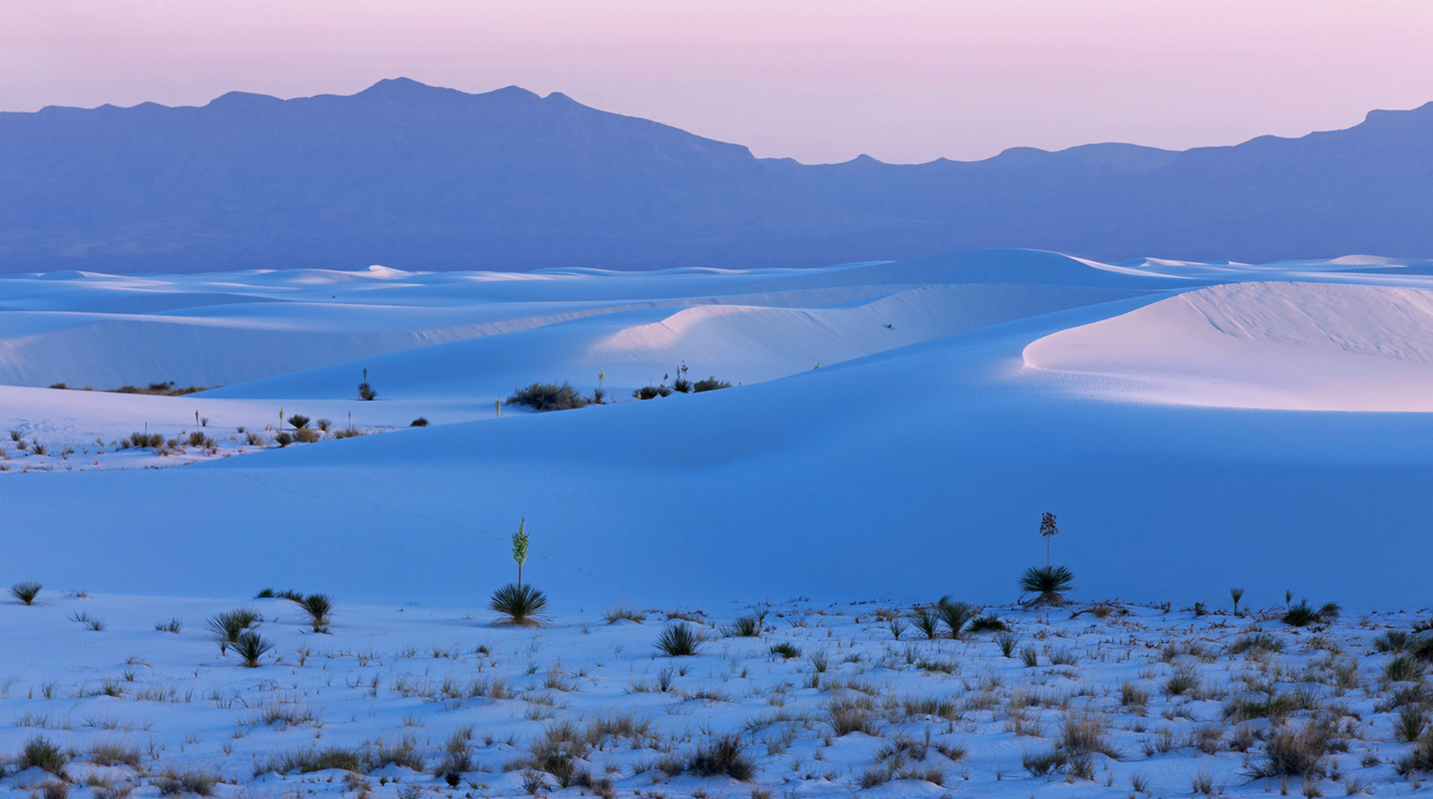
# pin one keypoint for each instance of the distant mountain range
(424, 178)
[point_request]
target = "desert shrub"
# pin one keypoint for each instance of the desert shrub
(621, 612)
(1302, 614)
(1393, 641)
(311, 759)
(174, 625)
(16, 434)
(722, 756)
(709, 384)
(348, 432)
(265, 593)
(1403, 669)
(198, 439)
(1049, 584)
(1255, 642)
(679, 640)
(112, 753)
(652, 392)
(226, 628)
(520, 605)
(250, 647)
(38, 448)
(557, 751)
(190, 781)
(419, 422)
(745, 627)
(1030, 656)
(786, 650)
(1087, 733)
(847, 716)
(26, 592)
(146, 440)
(366, 392)
(41, 754)
(284, 439)
(1294, 753)
(1419, 759)
(323, 424)
(928, 622)
(254, 439)
(402, 752)
(307, 435)
(955, 615)
(1410, 723)
(318, 608)
(298, 420)
(457, 757)
(543, 397)
(986, 623)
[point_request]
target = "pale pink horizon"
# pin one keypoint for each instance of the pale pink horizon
(817, 80)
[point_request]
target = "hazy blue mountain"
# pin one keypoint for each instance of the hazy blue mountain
(417, 177)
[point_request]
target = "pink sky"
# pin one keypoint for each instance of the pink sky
(818, 80)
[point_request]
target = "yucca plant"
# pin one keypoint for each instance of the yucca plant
(1049, 584)
(251, 646)
(955, 615)
(679, 640)
(227, 628)
(988, 623)
(746, 627)
(1236, 594)
(26, 592)
(927, 621)
(520, 605)
(318, 608)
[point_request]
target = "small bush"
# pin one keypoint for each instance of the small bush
(307, 435)
(1291, 753)
(1256, 642)
(1006, 641)
(318, 608)
(1302, 614)
(709, 384)
(366, 392)
(40, 753)
(1403, 669)
(620, 613)
(652, 392)
(254, 439)
(520, 605)
(299, 421)
(284, 439)
(250, 647)
(174, 625)
(1410, 723)
(110, 753)
(679, 640)
(847, 716)
(928, 622)
(89, 622)
(1420, 759)
(323, 424)
(226, 628)
(190, 781)
(746, 627)
(786, 650)
(198, 439)
(722, 756)
(25, 592)
(543, 397)
(146, 440)
(419, 422)
(986, 623)
(38, 448)
(348, 432)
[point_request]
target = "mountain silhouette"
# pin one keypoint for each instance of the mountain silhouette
(426, 178)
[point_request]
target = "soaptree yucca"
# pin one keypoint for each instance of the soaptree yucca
(1049, 584)
(520, 605)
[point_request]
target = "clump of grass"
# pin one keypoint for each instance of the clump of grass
(679, 640)
(543, 397)
(1419, 759)
(307, 435)
(111, 753)
(323, 424)
(311, 759)
(1049, 584)
(366, 392)
(519, 605)
(722, 756)
(174, 782)
(1256, 642)
(145, 440)
(198, 439)
(621, 612)
(851, 715)
(1294, 753)
(928, 622)
(319, 610)
(652, 392)
(1303, 614)
(253, 439)
(786, 650)
(1410, 723)
(26, 592)
(1403, 669)
(421, 421)
(1393, 641)
(745, 627)
(987, 623)
(250, 647)
(710, 384)
(1006, 641)
(284, 438)
(40, 753)
(299, 421)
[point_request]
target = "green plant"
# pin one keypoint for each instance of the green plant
(746, 627)
(419, 422)
(1303, 614)
(652, 392)
(284, 439)
(786, 650)
(146, 440)
(544, 397)
(681, 383)
(1049, 584)
(299, 421)
(366, 392)
(927, 621)
(955, 615)
(38, 448)
(318, 608)
(519, 547)
(250, 647)
(25, 592)
(709, 384)
(41, 754)
(986, 623)
(679, 640)
(521, 605)
(253, 439)
(897, 626)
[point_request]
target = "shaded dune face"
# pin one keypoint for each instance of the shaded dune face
(1271, 345)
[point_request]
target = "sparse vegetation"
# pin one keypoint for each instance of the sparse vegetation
(709, 384)
(26, 592)
(419, 422)
(319, 610)
(544, 397)
(250, 647)
(1303, 614)
(1049, 584)
(679, 640)
(519, 605)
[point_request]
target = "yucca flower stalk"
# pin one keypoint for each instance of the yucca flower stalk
(519, 548)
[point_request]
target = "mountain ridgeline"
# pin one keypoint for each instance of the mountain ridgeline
(423, 178)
